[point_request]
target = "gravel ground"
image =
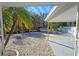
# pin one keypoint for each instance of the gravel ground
(30, 46)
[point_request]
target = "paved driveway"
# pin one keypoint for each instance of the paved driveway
(62, 44)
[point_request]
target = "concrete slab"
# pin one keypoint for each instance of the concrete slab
(62, 45)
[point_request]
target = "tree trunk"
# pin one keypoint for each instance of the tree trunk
(12, 28)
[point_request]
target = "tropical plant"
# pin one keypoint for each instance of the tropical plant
(13, 17)
(23, 15)
(55, 26)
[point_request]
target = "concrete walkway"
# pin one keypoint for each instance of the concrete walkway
(62, 45)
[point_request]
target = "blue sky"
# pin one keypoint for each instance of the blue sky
(38, 9)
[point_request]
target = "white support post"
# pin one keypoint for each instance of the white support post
(2, 33)
(76, 36)
(48, 30)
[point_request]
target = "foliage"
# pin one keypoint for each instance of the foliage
(23, 17)
(55, 26)
(13, 18)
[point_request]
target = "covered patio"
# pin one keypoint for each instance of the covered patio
(64, 45)
(55, 44)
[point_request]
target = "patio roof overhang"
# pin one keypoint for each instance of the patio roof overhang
(65, 13)
(23, 4)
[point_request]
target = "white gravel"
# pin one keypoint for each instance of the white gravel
(31, 46)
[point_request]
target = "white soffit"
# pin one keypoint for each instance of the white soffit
(67, 16)
(23, 4)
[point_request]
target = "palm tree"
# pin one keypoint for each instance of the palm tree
(13, 17)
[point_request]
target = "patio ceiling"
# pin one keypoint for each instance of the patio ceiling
(23, 4)
(65, 13)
